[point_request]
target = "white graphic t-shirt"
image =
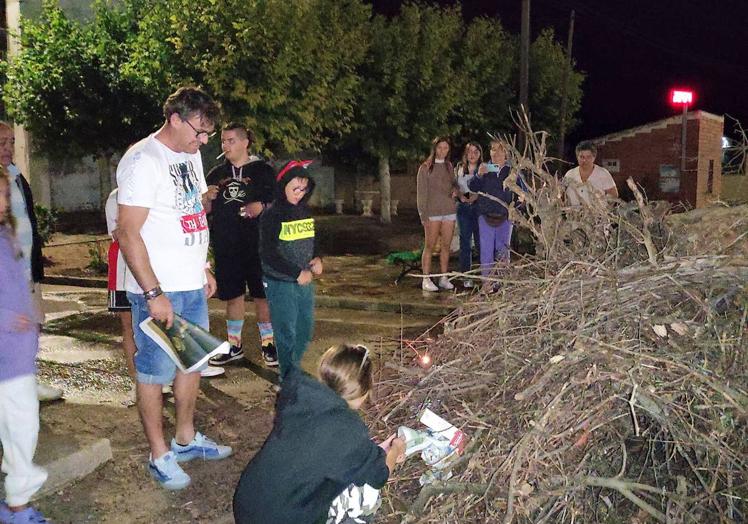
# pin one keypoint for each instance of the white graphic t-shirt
(175, 233)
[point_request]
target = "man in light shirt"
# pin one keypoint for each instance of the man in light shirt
(163, 235)
(588, 179)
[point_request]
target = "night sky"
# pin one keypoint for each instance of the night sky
(634, 51)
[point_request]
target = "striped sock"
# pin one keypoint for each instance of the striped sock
(234, 332)
(266, 333)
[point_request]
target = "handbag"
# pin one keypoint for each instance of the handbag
(495, 219)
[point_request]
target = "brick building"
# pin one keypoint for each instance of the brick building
(651, 155)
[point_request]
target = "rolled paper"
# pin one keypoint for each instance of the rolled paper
(188, 345)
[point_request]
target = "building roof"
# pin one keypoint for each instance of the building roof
(651, 126)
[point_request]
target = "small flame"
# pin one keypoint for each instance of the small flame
(425, 360)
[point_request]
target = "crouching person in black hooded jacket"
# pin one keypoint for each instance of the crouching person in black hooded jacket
(318, 464)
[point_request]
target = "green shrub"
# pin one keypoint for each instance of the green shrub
(46, 222)
(98, 263)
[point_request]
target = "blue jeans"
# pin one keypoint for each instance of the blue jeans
(292, 314)
(467, 222)
(152, 364)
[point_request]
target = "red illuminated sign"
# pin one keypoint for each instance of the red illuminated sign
(681, 97)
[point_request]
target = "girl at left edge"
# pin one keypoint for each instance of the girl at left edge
(19, 404)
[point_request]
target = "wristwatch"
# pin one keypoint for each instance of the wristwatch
(153, 293)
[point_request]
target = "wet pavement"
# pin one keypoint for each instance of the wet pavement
(357, 303)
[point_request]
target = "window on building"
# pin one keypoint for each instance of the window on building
(611, 164)
(710, 178)
(669, 179)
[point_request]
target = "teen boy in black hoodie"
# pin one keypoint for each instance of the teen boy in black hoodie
(289, 262)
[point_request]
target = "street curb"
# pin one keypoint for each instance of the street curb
(68, 460)
(382, 306)
(320, 300)
(65, 280)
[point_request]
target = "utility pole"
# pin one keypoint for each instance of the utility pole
(683, 127)
(524, 61)
(565, 90)
(683, 98)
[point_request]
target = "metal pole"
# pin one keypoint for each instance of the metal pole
(683, 142)
(524, 60)
(565, 89)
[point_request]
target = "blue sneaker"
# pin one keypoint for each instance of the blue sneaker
(168, 473)
(27, 516)
(200, 447)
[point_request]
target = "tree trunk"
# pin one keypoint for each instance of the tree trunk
(384, 189)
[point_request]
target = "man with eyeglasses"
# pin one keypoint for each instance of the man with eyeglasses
(27, 234)
(163, 233)
(238, 192)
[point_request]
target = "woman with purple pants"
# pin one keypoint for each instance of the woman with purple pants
(494, 226)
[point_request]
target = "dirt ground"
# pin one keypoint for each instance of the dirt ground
(80, 353)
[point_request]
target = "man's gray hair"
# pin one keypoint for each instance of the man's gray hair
(586, 145)
(189, 101)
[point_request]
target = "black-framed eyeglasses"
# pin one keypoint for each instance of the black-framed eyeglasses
(201, 132)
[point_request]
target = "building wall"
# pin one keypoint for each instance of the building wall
(644, 154)
(709, 160)
(402, 188)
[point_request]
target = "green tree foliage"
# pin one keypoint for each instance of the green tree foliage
(287, 69)
(302, 74)
(408, 92)
(547, 64)
(65, 86)
(486, 76)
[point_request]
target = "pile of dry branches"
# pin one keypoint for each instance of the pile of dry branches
(604, 382)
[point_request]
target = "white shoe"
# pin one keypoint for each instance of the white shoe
(444, 283)
(47, 393)
(212, 371)
(428, 285)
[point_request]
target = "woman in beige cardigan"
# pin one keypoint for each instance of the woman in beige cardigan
(437, 209)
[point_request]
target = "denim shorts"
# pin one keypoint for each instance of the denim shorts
(152, 364)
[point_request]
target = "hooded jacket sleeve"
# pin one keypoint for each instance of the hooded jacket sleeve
(476, 183)
(270, 227)
(359, 461)
(266, 184)
(37, 262)
(422, 191)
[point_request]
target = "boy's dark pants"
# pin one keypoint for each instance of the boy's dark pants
(292, 314)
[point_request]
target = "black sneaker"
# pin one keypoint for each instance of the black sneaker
(235, 353)
(270, 355)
